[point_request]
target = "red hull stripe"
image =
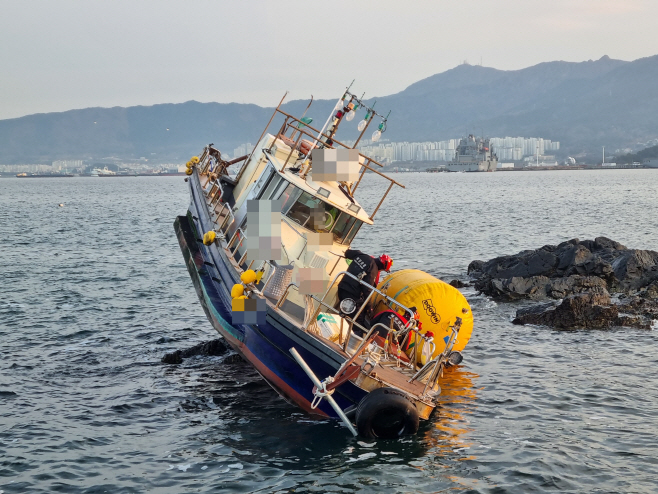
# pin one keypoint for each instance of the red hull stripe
(273, 379)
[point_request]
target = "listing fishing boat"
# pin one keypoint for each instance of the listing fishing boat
(266, 251)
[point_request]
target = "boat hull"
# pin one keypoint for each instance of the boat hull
(481, 166)
(266, 346)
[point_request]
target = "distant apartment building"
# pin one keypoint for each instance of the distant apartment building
(243, 149)
(66, 164)
(506, 148)
(516, 148)
(26, 168)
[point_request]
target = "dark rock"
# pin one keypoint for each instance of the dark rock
(621, 269)
(213, 347)
(233, 359)
(583, 310)
(573, 256)
(581, 274)
(651, 291)
(534, 287)
(475, 267)
(563, 287)
(173, 358)
(458, 284)
(636, 269)
(633, 321)
(602, 243)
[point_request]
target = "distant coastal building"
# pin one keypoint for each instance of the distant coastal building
(652, 163)
(66, 164)
(506, 148)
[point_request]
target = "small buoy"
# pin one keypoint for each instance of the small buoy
(195, 159)
(237, 291)
(189, 164)
(209, 237)
(61, 205)
(249, 276)
(189, 171)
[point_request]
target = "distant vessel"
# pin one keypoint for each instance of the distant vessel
(45, 175)
(105, 172)
(474, 154)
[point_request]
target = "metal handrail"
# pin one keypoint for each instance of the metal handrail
(216, 197)
(230, 242)
(434, 368)
(229, 215)
(284, 295)
(301, 128)
(351, 320)
(373, 289)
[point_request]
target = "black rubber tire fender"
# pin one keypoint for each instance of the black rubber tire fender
(386, 413)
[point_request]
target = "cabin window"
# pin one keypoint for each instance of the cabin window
(263, 180)
(270, 187)
(279, 190)
(316, 215)
(343, 226)
(289, 196)
(352, 232)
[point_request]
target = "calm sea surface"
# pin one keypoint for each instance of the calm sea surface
(95, 292)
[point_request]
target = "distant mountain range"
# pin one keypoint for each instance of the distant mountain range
(583, 105)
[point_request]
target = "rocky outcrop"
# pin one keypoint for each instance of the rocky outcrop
(581, 275)
(212, 347)
(566, 269)
(458, 284)
(592, 309)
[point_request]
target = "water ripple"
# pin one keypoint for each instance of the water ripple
(96, 292)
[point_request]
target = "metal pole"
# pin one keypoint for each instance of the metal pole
(261, 136)
(318, 385)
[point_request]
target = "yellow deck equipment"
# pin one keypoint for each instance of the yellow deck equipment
(438, 305)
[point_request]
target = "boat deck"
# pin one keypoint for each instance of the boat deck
(385, 371)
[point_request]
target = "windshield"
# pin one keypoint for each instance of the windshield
(316, 215)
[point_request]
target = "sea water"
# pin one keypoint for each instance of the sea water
(95, 292)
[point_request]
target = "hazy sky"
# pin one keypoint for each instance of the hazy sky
(65, 54)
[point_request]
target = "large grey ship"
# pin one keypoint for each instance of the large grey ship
(473, 154)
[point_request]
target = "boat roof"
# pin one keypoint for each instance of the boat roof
(336, 196)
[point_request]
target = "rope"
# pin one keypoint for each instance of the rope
(321, 392)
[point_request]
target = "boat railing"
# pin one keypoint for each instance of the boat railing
(392, 335)
(433, 369)
(215, 193)
(205, 161)
(284, 295)
(225, 224)
(241, 236)
(351, 319)
(293, 125)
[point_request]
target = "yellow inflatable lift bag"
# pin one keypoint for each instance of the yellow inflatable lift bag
(438, 305)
